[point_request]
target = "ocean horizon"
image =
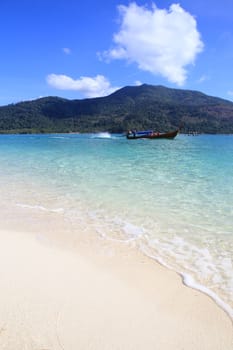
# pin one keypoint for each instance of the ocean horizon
(171, 199)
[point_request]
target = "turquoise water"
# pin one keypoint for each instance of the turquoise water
(173, 199)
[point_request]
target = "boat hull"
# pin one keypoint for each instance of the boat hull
(152, 135)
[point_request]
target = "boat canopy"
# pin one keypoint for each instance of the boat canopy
(142, 132)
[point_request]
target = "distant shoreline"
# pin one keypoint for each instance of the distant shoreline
(97, 132)
(132, 107)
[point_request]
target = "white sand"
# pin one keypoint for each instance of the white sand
(114, 298)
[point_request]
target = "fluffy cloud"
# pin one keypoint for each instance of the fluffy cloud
(89, 86)
(159, 41)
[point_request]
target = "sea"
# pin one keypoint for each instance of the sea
(172, 199)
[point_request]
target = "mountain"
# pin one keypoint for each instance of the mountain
(132, 107)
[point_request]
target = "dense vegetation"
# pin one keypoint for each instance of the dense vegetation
(141, 107)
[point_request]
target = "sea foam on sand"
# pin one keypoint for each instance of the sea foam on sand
(99, 296)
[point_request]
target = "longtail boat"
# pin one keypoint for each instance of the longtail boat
(150, 134)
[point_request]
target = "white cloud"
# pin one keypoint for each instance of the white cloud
(138, 83)
(66, 50)
(203, 78)
(89, 86)
(158, 40)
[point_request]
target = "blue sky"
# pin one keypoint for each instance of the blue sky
(78, 49)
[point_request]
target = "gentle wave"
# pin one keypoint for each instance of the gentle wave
(40, 207)
(126, 232)
(187, 259)
(189, 281)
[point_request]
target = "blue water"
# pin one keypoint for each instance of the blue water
(171, 198)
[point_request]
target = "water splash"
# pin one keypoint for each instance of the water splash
(102, 135)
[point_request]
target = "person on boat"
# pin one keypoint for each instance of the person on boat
(131, 133)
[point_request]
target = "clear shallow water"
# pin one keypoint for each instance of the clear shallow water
(173, 199)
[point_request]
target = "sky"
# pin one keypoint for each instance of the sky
(81, 49)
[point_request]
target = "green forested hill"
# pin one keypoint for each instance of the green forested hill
(140, 107)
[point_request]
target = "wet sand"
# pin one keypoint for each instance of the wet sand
(99, 295)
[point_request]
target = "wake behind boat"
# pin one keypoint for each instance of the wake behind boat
(150, 134)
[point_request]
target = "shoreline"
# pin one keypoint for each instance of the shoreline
(99, 295)
(189, 282)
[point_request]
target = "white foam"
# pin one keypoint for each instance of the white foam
(115, 229)
(57, 137)
(133, 230)
(189, 281)
(102, 135)
(40, 207)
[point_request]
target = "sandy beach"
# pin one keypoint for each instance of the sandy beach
(99, 296)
